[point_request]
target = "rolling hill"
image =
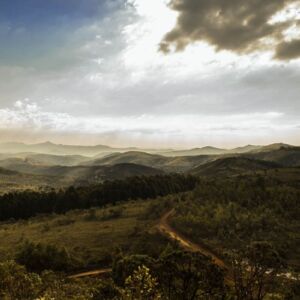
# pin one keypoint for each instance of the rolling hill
(245, 149)
(208, 150)
(285, 155)
(59, 165)
(89, 174)
(7, 172)
(22, 173)
(11, 181)
(169, 164)
(60, 149)
(273, 147)
(230, 166)
(48, 159)
(136, 157)
(56, 149)
(196, 151)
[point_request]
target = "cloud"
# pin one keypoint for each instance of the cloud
(288, 50)
(238, 26)
(101, 80)
(27, 118)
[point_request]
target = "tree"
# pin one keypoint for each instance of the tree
(59, 287)
(125, 266)
(188, 276)
(39, 257)
(255, 270)
(141, 286)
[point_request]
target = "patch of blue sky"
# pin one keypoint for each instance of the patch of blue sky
(30, 29)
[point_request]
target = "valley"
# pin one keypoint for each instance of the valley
(46, 171)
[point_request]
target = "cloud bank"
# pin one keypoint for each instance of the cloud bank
(147, 130)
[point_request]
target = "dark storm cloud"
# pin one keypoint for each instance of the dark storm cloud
(288, 50)
(232, 25)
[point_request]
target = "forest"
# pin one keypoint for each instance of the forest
(230, 213)
(27, 204)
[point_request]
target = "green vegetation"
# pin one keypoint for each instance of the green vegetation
(231, 213)
(179, 275)
(244, 209)
(39, 257)
(174, 275)
(92, 236)
(12, 181)
(16, 283)
(255, 271)
(231, 166)
(28, 204)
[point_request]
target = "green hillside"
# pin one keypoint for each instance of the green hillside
(229, 166)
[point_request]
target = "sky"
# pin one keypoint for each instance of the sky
(176, 73)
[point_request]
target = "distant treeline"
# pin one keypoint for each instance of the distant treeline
(23, 205)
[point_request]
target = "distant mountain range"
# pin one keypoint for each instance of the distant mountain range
(50, 148)
(60, 149)
(208, 150)
(22, 165)
(102, 150)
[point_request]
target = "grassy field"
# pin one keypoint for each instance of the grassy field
(92, 235)
(20, 182)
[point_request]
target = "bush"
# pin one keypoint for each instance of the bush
(39, 257)
(112, 213)
(16, 283)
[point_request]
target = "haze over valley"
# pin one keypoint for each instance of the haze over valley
(48, 165)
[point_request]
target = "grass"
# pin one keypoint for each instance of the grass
(21, 182)
(93, 235)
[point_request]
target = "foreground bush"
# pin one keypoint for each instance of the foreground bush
(16, 283)
(39, 257)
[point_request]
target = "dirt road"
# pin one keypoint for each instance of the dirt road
(164, 227)
(91, 273)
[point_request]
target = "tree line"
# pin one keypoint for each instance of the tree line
(26, 204)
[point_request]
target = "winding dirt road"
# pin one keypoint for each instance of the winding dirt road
(165, 229)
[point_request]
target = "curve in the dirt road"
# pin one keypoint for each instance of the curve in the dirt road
(164, 227)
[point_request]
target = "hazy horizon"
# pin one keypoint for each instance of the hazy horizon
(139, 147)
(150, 74)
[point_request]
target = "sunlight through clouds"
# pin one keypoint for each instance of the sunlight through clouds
(103, 74)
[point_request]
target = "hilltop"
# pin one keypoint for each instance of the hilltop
(229, 166)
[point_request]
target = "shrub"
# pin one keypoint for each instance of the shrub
(16, 283)
(39, 257)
